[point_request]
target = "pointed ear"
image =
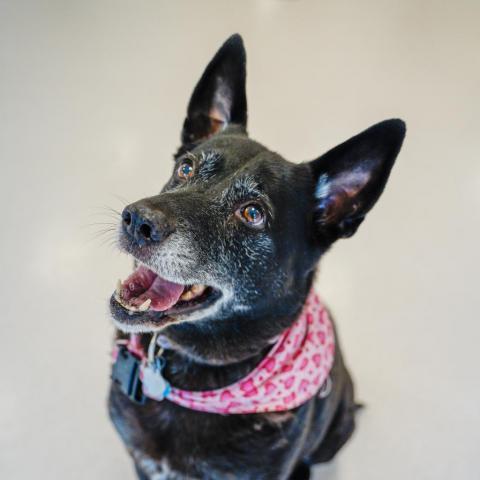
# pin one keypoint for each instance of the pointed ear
(351, 177)
(219, 97)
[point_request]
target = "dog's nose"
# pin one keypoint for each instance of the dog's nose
(145, 226)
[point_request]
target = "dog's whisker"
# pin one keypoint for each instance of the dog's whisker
(107, 209)
(103, 212)
(109, 242)
(103, 235)
(105, 232)
(96, 224)
(120, 198)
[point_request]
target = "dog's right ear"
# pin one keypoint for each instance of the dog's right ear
(219, 97)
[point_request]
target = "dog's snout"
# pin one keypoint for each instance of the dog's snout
(145, 226)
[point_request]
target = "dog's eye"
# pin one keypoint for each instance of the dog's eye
(185, 170)
(252, 214)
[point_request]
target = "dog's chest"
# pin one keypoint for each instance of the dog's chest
(170, 442)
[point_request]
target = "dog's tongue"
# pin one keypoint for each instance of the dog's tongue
(143, 284)
(164, 294)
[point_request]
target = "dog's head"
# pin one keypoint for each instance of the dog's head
(230, 245)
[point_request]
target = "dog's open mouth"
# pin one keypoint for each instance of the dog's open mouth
(146, 294)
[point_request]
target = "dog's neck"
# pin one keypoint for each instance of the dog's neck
(237, 339)
(196, 358)
(227, 342)
(189, 374)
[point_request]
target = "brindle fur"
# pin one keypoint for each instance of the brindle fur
(267, 276)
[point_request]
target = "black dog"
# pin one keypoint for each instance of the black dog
(241, 230)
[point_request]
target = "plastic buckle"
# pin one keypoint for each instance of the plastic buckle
(126, 374)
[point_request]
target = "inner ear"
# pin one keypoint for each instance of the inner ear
(220, 110)
(219, 97)
(338, 197)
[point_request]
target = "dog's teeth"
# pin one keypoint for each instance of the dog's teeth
(194, 291)
(145, 305)
(198, 289)
(127, 306)
(188, 295)
(118, 290)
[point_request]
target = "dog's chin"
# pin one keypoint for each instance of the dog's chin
(147, 302)
(144, 322)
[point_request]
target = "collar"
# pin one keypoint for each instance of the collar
(295, 370)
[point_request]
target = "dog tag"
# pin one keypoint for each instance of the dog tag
(153, 383)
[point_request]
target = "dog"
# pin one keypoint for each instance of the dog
(225, 259)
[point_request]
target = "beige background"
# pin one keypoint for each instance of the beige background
(92, 96)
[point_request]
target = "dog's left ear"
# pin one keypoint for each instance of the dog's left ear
(219, 97)
(351, 177)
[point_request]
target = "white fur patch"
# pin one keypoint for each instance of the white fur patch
(323, 188)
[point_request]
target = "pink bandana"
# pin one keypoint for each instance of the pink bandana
(292, 373)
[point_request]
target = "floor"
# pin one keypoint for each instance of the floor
(92, 97)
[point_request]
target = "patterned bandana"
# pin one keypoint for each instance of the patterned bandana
(292, 373)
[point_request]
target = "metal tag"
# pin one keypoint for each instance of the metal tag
(154, 385)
